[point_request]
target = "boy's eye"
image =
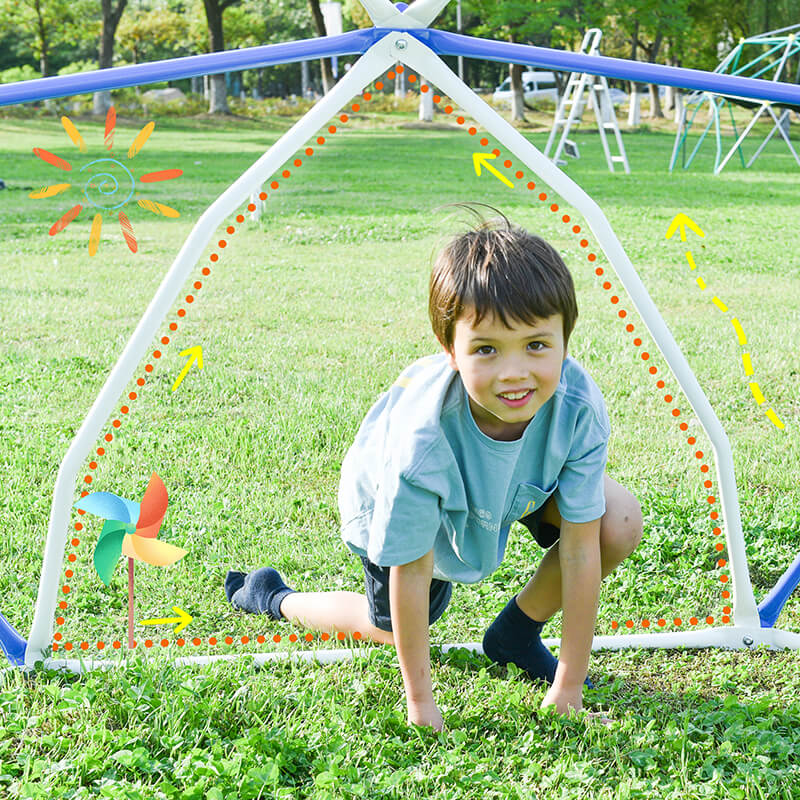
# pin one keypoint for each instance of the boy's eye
(537, 347)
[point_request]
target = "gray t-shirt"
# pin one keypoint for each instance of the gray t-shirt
(421, 475)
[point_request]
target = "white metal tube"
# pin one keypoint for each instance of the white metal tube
(741, 138)
(321, 656)
(781, 130)
(729, 637)
(377, 59)
(426, 62)
(382, 13)
(425, 11)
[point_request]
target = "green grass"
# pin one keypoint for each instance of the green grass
(307, 317)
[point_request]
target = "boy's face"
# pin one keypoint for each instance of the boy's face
(494, 361)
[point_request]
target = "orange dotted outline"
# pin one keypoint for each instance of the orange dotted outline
(645, 356)
(214, 257)
(116, 423)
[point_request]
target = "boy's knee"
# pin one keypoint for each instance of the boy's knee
(622, 529)
(632, 524)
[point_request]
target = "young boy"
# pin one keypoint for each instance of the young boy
(501, 426)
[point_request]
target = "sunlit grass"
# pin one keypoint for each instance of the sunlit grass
(307, 317)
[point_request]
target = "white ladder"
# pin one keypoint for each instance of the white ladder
(573, 99)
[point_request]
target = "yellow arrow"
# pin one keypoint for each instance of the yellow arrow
(682, 221)
(482, 160)
(183, 619)
(195, 354)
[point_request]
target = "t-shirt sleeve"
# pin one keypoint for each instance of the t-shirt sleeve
(405, 521)
(580, 495)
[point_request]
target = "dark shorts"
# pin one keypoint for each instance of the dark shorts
(376, 583)
(546, 535)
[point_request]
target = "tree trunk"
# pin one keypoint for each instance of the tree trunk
(44, 45)
(636, 89)
(517, 96)
(634, 109)
(678, 108)
(400, 84)
(319, 27)
(655, 102)
(112, 14)
(669, 98)
(425, 102)
(218, 99)
(218, 103)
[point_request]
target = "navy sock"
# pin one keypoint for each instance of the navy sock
(257, 592)
(515, 637)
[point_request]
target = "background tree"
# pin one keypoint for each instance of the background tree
(152, 34)
(218, 102)
(648, 24)
(283, 21)
(355, 12)
(318, 21)
(544, 23)
(43, 25)
(112, 13)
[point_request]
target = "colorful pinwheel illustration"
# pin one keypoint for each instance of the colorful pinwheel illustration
(131, 530)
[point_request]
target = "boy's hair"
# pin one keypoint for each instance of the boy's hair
(499, 268)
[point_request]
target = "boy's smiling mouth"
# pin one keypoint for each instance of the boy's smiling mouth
(516, 399)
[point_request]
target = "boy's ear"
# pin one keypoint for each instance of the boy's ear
(450, 357)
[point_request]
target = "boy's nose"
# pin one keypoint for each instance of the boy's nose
(513, 369)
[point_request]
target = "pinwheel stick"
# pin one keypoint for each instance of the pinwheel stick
(130, 604)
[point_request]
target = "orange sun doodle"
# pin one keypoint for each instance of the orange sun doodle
(109, 184)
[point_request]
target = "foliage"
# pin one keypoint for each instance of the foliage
(353, 11)
(44, 24)
(78, 66)
(24, 73)
(152, 34)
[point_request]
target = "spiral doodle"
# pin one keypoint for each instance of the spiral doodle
(107, 190)
(109, 184)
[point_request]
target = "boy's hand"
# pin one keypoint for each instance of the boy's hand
(565, 700)
(425, 713)
(570, 701)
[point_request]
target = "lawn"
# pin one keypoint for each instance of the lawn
(307, 316)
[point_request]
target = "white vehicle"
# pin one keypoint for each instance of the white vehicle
(535, 86)
(618, 96)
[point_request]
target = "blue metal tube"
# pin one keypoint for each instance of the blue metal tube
(770, 607)
(357, 42)
(11, 643)
(452, 44)
(351, 43)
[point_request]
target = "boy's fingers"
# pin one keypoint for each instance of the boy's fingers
(600, 717)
